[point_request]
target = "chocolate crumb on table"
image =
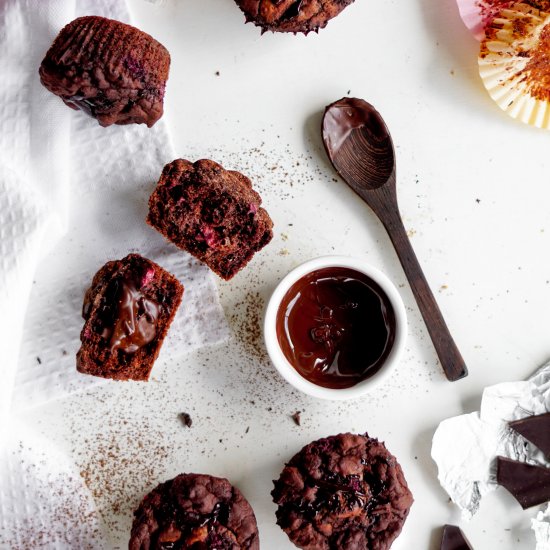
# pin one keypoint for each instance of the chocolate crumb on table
(186, 419)
(127, 311)
(110, 70)
(195, 511)
(342, 492)
(297, 418)
(535, 429)
(212, 213)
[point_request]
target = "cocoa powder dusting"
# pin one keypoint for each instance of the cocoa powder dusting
(247, 320)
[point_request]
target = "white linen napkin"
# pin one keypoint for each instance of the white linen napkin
(44, 503)
(62, 174)
(73, 195)
(34, 136)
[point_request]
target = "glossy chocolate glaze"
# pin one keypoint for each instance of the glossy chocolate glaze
(336, 327)
(348, 114)
(135, 319)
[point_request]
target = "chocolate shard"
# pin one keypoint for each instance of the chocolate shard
(454, 539)
(535, 429)
(528, 484)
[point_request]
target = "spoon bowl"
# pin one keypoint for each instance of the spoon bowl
(358, 143)
(360, 148)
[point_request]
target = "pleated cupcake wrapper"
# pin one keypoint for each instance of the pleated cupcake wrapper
(512, 38)
(478, 14)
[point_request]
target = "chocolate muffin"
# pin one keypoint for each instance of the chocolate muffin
(291, 15)
(212, 213)
(112, 71)
(128, 310)
(344, 492)
(195, 512)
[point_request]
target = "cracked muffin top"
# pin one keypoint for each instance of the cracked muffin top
(344, 492)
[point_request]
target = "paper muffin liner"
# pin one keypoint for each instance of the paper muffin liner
(513, 63)
(478, 14)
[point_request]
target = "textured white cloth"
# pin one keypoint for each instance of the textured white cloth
(62, 175)
(34, 137)
(44, 503)
(73, 195)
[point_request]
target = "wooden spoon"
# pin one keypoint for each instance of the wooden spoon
(360, 148)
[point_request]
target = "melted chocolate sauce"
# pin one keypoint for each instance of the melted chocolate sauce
(336, 327)
(135, 319)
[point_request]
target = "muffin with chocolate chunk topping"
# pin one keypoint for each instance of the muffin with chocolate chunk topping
(127, 310)
(111, 71)
(345, 492)
(197, 512)
(291, 15)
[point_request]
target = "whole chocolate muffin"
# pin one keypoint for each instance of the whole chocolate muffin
(345, 492)
(291, 15)
(112, 71)
(195, 512)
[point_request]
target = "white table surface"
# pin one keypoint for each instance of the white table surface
(474, 192)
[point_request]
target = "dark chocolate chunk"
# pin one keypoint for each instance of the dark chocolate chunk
(528, 484)
(296, 418)
(535, 429)
(454, 539)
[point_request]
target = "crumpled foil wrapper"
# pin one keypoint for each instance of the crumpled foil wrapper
(465, 447)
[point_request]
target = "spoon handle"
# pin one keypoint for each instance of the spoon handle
(449, 356)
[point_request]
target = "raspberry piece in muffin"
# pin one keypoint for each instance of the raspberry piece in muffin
(211, 213)
(344, 492)
(197, 512)
(112, 71)
(291, 15)
(128, 310)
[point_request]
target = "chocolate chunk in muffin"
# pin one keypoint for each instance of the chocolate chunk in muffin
(210, 212)
(291, 15)
(111, 71)
(196, 512)
(127, 311)
(344, 492)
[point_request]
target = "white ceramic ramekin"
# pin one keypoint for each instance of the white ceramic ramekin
(289, 373)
